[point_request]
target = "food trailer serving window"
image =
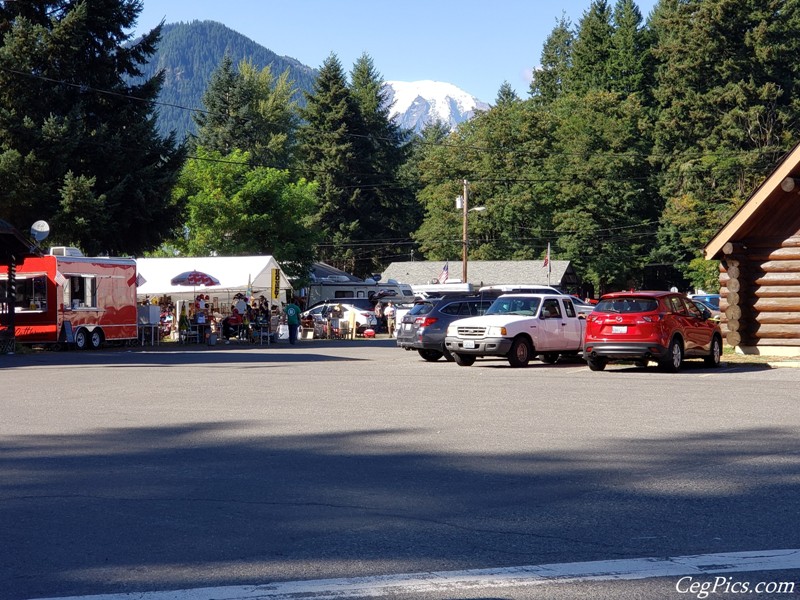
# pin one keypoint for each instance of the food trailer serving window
(80, 291)
(31, 291)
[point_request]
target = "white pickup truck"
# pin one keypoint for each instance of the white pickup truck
(519, 327)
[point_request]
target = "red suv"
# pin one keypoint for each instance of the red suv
(642, 326)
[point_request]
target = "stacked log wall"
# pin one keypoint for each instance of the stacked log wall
(760, 293)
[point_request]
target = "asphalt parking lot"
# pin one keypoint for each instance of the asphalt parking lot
(166, 468)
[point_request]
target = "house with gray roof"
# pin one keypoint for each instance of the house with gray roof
(487, 272)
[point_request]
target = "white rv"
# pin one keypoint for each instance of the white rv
(340, 288)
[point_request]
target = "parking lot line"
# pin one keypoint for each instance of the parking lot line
(456, 581)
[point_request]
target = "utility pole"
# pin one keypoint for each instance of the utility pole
(464, 240)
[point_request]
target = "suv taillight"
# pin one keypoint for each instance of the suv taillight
(653, 318)
(425, 321)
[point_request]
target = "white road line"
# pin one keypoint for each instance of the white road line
(454, 581)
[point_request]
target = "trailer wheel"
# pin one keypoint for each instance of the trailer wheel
(96, 338)
(81, 339)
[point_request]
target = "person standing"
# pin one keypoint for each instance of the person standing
(292, 312)
(378, 317)
(389, 313)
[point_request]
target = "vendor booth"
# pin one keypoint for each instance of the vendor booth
(212, 287)
(236, 274)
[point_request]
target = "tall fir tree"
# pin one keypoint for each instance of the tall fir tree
(549, 79)
(382, 148)
(250, 110)
(592, 50)
(330, 157)
(628, 57)
(728, 107)
(78, 141)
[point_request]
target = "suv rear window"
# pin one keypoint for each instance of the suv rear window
(627, 305)
(421, 308)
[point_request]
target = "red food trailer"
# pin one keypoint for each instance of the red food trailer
(73, 299)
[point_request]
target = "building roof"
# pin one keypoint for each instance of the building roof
(484, 272)
(767, 208)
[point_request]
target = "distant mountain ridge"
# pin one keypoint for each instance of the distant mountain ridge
(190, 52)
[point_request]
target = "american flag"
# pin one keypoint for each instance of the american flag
(445, 273)
(547, 258)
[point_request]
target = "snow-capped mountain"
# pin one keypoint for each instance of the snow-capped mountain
(417, 103)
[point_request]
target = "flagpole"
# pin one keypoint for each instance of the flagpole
(464, 242)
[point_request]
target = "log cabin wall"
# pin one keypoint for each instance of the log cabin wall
(760, 292)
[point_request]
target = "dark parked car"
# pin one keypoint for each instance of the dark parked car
(641, 326)
(424, 327)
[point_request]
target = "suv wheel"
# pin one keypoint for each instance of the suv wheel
(520, 353)
(448, 356)
(550, 358)
(596, 364)
(464, 360)
(430, 355)
(713, 359)
(672, 361)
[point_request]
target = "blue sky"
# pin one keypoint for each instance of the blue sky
(475, 45)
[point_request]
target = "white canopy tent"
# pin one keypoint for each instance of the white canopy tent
(233, 272)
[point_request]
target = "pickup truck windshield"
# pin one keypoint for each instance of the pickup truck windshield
(511, 305)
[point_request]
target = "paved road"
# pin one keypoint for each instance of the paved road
(164, 469)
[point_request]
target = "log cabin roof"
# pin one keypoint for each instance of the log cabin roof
(770, 211)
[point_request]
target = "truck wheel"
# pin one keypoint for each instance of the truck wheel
(520, 353)
(96, 338)
(550, 358)
(596, 364)
(81, 339)
(672, 361)
(430, 355)
(464, 360)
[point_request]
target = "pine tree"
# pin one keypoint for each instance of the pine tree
(328, 147)
(387, 204)
(728, 104)
(592, 50)
(249, 110)
(627, 60)
(548, 80)
(78, 144)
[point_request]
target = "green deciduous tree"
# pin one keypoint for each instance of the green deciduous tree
(235, 209)
(78, 144)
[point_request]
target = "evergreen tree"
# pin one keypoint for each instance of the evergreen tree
(247, 109)
(592, 50)
(78, 144)
(728, 105)
(275, 115)
(549, 79)
(227, 123)
(604, 212)
(627, 60)
(387, 204)
(328, 146)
